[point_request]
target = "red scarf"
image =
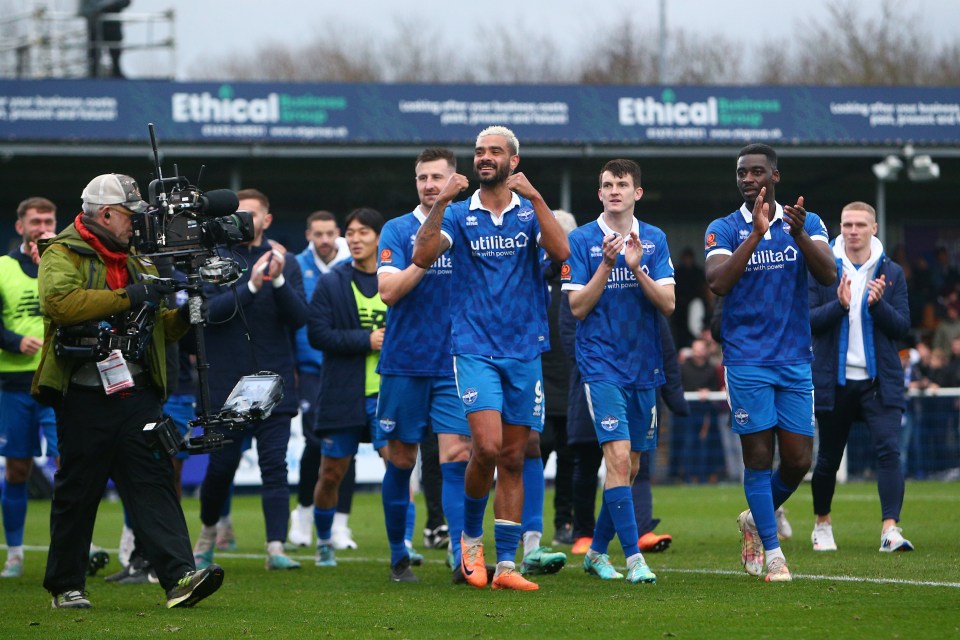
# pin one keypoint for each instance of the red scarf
(116, 261)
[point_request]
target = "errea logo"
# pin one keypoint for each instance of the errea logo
(471, 220)
(596, 252)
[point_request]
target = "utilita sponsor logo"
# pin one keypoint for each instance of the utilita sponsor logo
(768, 256)
(488, 243)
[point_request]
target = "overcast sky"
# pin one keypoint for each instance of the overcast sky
(217, 28)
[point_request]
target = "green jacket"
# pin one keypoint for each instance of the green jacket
(73, 289)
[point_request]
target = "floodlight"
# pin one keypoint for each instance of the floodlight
(922, 168)
(889, 168)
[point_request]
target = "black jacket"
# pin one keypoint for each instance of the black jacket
(333, 326)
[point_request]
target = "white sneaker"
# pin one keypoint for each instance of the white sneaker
(893, 540)
(784, 530)
(301, 526)
(127, 542)
(751, 554)
(822, 537)
(342, 538)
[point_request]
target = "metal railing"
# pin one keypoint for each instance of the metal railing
(44, 43)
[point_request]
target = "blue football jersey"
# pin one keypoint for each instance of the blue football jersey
(766, 318)
(619, 340)
(499, 304)
(417, 341)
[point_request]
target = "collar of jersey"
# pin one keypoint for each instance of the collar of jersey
(748, 214)
(419, 215)
(635, 228)
(497, 220)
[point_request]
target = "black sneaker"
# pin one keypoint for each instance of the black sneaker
(563, 535)
(98, 560)
(137, 572)
(401, 572)
(72, 599)
(194, 586)
(458, 577)
(437, 538)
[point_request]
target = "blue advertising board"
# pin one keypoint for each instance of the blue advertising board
(362, 114)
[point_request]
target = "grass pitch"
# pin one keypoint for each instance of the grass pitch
(701, 592)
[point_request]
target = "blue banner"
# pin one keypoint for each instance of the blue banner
(360, 114)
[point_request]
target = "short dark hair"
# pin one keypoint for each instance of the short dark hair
(436, 153)
(759, 149)
(621, 168)
(254, 194)
(40, 204)
(325, 216)
(367, 217)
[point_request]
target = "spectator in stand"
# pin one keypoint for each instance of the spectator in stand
(691, 284)
(943, 274)
(949, 327)
(702, 450)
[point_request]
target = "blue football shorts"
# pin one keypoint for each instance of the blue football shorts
(623, 414)
(408, 404)
(21, 420)
(510, 386)
(344, 443)
(765, 397)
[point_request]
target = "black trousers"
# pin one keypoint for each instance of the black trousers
(554, 438)
(101, 437)
(431, 480)
(858, 401)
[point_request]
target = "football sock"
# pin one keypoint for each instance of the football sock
(323, 520)
(452, 498)
(395, 495)
(14, 507)
(507, 537)
(756, 486)
(620, 506)
(411, 517)
(473, 510)
(781, 490)
(533, 489)
(604, 531)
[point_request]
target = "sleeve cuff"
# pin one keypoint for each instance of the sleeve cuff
(251, 288)
(279, 281)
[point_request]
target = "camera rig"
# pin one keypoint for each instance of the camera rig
(186, 226)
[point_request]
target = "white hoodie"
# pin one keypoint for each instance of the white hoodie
(856, 356)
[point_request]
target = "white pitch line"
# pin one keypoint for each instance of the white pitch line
(911, 583)
(306, 559)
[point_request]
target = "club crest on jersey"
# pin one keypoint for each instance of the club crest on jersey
(566, 273)
(386, 256)
(525, 214)
(648, 247)
(609, 423)
(741, 416)
(469, 396)
(711, 241)
(387, 424)
(471, 220)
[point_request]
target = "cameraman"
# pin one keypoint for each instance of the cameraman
(89, 274)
